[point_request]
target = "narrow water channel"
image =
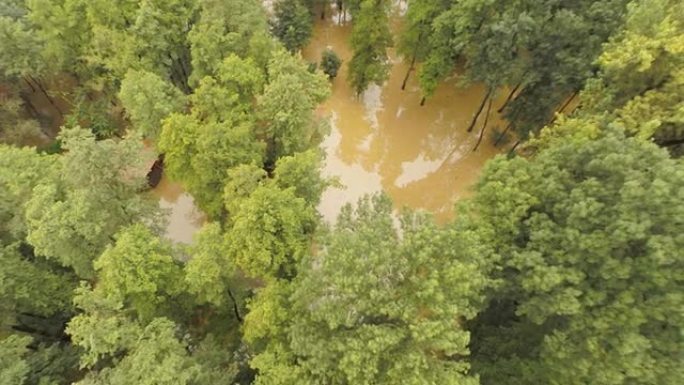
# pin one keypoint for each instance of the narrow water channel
(384, 140)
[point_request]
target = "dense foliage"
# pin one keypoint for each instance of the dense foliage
(564, 267)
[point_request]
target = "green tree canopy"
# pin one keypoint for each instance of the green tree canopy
(73, 215)
(588, 234)
(270, 232)
(293, 24)
(148, 100)
(370, 40)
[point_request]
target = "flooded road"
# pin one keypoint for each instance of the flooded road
(421, 156)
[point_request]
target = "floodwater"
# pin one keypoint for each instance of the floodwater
(421, 156)
(383, 140)
(184, 217)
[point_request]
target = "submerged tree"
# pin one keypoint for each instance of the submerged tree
(330, 63)
(293, 24)
(370, 40)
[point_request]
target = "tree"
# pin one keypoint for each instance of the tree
(150, 355)
(200, 155)
(543, 50)
(147, 35)
(21, 170)
(302, 171)
(270, 232)
(148, 100)
(72, 216)
(413, 43)
(286, 107)
(140, 272)
(225, 27)
(587, 233)
(13, 367)
(16, 127)
(330, 63)
(370, 39)
(210, 274)
(30, 286)
(371, 308)
(241, 181)
(641, 81)
(293, 24)
(64, 36)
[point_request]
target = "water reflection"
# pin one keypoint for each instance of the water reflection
(384, 140)
(184, 217)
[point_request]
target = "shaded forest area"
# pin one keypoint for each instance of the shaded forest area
(564, 267)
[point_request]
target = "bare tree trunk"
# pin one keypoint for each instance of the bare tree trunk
(235, 306)
(422, 101)
(42, 89)
(33, 89)
(484, 126)
(479, 110)
(408, 72)
(502, 134)
(560, 110)
(568, 102)
(31, 108)
(508, 99)
(512, 150)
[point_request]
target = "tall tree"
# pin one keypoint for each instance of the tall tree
(413, 43)
(73, 215)
(270, 232)
(588, 237)
(200, 155)
(139, 271)
(641, 79)
(293, 24)
(224, 27)
(370, 40)
(371, 308)
(286, 107)
(149, 99)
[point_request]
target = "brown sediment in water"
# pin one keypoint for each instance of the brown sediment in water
(184, 217)
(421, 156)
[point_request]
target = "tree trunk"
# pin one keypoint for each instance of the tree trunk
(42, 89)
(512, 150)
(479, 110)
(33, 89)
(408, 72)
(236, 310)
(568, 102)
(484, 126)
(501, 135)
(31, 108)
(560, 110)
(508, 99)
(422, 101)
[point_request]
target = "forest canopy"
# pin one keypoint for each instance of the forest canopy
(564, 265)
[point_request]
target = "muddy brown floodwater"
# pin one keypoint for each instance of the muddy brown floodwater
(421, 156)
(184, 217)
(384, 140)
